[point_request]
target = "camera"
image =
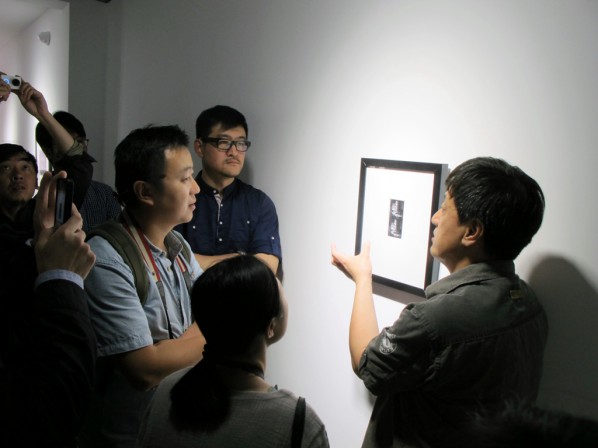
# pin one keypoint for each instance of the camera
(13, 81)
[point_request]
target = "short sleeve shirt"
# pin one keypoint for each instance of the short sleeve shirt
(121, 322)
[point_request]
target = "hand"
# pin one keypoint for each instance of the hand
(32, 100)
(4, 90)
(64, 247)
(356, 267)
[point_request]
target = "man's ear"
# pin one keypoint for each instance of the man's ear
(198, 146)
(271, 327)
(144, 192)
(474, 233)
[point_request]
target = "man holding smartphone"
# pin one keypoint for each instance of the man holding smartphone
(48, 352)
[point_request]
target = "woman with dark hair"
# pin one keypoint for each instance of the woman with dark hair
(224, 401)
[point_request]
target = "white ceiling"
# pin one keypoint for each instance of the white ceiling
(17, 14)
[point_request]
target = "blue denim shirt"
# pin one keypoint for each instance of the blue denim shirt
(478, 339)
(122, 324)
(245, 220)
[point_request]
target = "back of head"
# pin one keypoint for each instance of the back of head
(233, 301)
(225, 116)
(67, 120)
(9, 150)
(506, 201)
(140, 156)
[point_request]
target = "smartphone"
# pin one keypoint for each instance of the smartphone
(64, 201)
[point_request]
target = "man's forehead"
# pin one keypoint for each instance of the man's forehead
(219, 129)
(18, 158)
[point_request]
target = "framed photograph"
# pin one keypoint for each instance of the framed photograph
(396, 202)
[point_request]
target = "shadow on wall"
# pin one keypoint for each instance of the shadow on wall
(571, 358)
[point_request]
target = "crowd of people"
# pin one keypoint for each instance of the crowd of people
(145, 319)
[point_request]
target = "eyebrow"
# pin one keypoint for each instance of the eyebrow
(228, 136)
(186, 169)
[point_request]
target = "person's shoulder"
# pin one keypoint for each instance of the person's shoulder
(253, 193)
(104, 250)
(101, 186)
(248, 188)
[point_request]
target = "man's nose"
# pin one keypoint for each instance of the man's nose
(195, 189)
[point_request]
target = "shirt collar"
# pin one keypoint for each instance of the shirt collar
(208, 189)
(473, 273)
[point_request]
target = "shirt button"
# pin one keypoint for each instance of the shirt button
(220, 223)
(248, 221)
(220, 239)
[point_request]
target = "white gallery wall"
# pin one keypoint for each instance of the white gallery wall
(325, 83)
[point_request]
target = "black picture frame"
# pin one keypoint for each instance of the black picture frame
(396, 202)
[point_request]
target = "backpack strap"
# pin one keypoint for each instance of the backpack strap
(186, 254)
(298, 423)
(134, 253)
(114, 232)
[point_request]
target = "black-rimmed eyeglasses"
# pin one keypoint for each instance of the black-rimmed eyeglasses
(223, 144)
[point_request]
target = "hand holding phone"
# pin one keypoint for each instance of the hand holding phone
(64, 201)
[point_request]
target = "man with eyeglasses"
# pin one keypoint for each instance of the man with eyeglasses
(100, 203)
(231, 216)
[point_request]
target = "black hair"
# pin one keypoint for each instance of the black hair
(523, 425)
(233, 301)
(140, 156)
(502, 198)
(8, 150)
(225, 116)
(67, 120)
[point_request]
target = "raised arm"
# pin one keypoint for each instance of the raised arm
(364, 324)
(34, 102)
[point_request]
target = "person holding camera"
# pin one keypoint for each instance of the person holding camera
(18, 167)
(100, 203)
(47, 359)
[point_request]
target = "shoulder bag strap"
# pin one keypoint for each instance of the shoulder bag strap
(298, 423)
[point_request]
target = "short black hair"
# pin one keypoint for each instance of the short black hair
(508, 203)
(68, 121)
(8, 150)
(140, 156)
(225, 116)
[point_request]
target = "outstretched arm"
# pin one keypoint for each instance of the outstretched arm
(364, 324)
